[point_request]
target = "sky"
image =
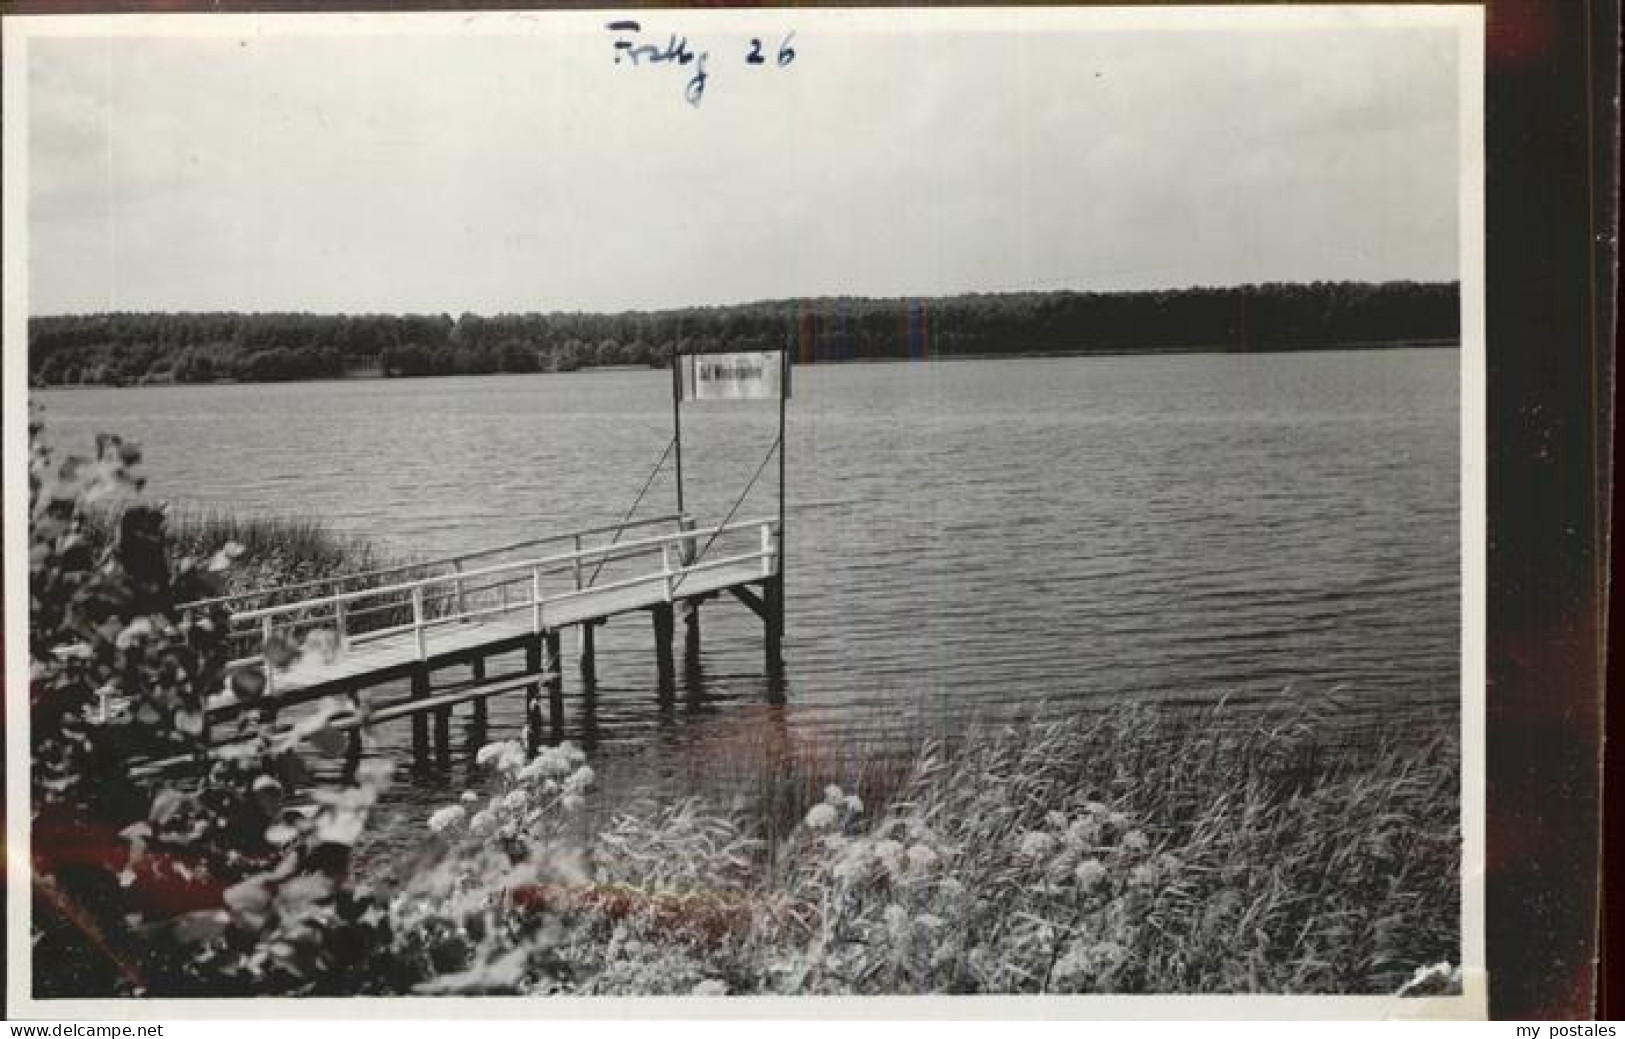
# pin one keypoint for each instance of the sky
(521, 168)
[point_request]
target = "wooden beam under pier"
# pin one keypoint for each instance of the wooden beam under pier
(589, 650)
(420, 720)
(750, 599)
(773, 598)
(533, 694)
(477, 676)
(662, 615)
(555, 685)
(691, 629)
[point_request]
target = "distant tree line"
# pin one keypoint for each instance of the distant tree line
(123, 348)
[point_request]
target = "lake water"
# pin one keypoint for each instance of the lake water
(966, 540)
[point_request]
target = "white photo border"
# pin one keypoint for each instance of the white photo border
(1468, 23)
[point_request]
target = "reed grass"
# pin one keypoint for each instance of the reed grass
(1137, 850)
(275, 550)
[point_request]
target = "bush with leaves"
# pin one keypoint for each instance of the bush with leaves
(224, 872)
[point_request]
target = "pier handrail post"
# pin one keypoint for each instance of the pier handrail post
(577, 562)
(268, 632)
(462, 602)
(686, 522)
(341, 617)
(677, 415)
(417, 622)
(665, 569)
(536, 600)
(769, 549)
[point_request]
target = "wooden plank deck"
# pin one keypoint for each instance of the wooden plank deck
(369, 662)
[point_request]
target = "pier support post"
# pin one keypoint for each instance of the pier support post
(589, 650)
(589, 712)
(662, 613)
(691, 631)
(555, 685)
(773, 599)
(420, 721)
(477, 672)
(352, 754)
(442, 737)
(533, 695)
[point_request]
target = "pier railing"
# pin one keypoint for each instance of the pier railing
(326, 618)
(401, 572)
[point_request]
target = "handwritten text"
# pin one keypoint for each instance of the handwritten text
(631, 49)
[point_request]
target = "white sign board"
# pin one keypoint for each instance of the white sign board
(755, 375)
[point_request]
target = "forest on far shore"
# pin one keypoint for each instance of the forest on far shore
(132, 348)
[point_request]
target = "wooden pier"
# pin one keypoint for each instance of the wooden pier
(297, 644)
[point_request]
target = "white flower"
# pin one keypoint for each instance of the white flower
(483, 822)
(280, 833)
(820, 816)
(921, 857)
(516, 799)
(451, 815)
(1084, 961)
(1094, 808)
(929, 921)
(504, 757)
(1089, 874)
(579, 780)
(469, 797)
(531, 771)
(1084, 833)
(889, 852)
(1135, 840)
(1057, 820)
(854, 804)
(572, 802)
(551, 761)
(1142, 876)
(833, 794)
(1036, 844)
(896, 917)
(710, 987)
(852, 866)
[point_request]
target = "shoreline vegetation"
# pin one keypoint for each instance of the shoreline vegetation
(268, 551)
(124, 349)
(1140, 849)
